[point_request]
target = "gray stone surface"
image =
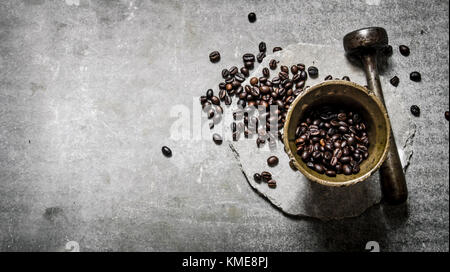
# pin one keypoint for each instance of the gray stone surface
(85, 93)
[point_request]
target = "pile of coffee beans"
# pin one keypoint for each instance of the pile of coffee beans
(331, 140)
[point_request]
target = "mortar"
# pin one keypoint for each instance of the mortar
(358, 98)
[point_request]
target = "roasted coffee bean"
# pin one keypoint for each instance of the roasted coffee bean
(294, 69)
(262, 47)
(248, 57)
(346, 169)
(166, 151)
(254, 81)
(277, 48)
(301, 67)
(260, 56)
(251, 17)
(313, 71)
(285, 69)
(227, 100)
(214, 56)
(209, 93)
(217, 139)
(203, 99)
(305, 155)
(329, 77)
(266, 176)
(215, 100)
(415, 76)
(319, 168)
(257, 177)
(249, 65)
(245, 71)
(346, 78)
(342, 116)
(272, 183)
(273, 64)
(239, 77)
(447, 115)
(355, 169)
(404, 50)
(395, 81)
(272, 161)
(233, 70)
(266, 72)
(222, 85)
(330, 173)
(303, 75)
(415, 110)
(225, 73)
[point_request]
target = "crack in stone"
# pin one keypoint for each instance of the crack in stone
(408, 146)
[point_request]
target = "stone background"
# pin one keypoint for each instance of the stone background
(86, 92)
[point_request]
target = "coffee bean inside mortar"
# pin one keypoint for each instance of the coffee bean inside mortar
(332, 140)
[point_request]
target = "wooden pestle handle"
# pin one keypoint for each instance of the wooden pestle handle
(392, 178)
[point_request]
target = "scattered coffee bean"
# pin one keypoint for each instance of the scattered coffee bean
(214, 56)
(266, 72)
(346, 78)
(272, 183)
(329, 77)
(313, 71)
(260, 56)
(248, 57)
(166, 151)
(404, 50)
(217, 139)
(415, 76)
(257, 177)
(415, 110)
(266, 176)
(245, 71)
(395, 81)
(215, 100)
(251, 17)
(277, 48)
(249, 65)
(262, 47)
(209, 93)
(272, 161)
(273, 64)
(447, 115)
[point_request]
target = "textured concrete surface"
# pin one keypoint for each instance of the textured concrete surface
(85, 93)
